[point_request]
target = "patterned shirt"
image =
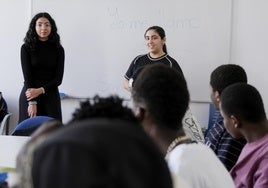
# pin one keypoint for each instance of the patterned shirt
(223, 144)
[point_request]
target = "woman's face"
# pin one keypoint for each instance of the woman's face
(43, 28)
(154, 42)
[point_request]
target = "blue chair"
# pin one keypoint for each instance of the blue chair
(28, 126)
(213, 116)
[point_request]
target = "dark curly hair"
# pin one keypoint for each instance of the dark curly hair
(104, 107)
(164, 94)
(31, 37)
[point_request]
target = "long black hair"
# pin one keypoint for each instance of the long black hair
(31, 37)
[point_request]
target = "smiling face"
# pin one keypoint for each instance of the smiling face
(154, 42)
(43, 28)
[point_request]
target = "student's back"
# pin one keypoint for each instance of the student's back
(199, 166)
(161, 98)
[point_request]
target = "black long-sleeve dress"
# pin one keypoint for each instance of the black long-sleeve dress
(42, 67)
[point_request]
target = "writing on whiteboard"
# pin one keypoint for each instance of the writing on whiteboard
(121, 21)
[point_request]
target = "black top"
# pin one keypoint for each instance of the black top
(44, 66)
(142, 60)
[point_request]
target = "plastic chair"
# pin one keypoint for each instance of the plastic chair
(3, 107)
(28, 126)
(4, 127)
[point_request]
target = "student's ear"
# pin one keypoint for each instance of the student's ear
(235, 121)
(140, 113)
(164, 40)
(217, 96)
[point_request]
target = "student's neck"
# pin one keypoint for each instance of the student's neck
(164, 137)
(156, 55)
(257, 132)
(43, 39)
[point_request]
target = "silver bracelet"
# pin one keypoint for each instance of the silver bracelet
(32, 102)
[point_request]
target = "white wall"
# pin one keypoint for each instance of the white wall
(248, 48)
(102, 37)
(250, 42)
(14, 20)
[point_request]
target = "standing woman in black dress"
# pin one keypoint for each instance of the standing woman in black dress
(42, 62)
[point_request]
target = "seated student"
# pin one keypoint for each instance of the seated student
(217, 138)
(3, 107)
(190, 124)
(102, 146)
(160, 99)
(244, 115)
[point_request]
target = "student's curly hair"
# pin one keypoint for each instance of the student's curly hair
(31, 37)
(110, 107)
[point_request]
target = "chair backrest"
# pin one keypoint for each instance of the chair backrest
(192, 127)
(213, 116)
(3, 107)
(28, 126)
(4, 126)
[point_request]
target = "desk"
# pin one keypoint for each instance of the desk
(9, 149)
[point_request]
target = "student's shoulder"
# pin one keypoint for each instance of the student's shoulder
(24, 46)
(61, 49)
(140, 57)
(171, 58)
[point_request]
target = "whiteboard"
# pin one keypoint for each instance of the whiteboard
(102, 37)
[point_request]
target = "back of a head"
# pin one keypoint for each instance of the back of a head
(225, 75)
(163, 92)
(243, 101)
(103, 107)
(99, 153)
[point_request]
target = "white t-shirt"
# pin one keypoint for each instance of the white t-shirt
(196, 164)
